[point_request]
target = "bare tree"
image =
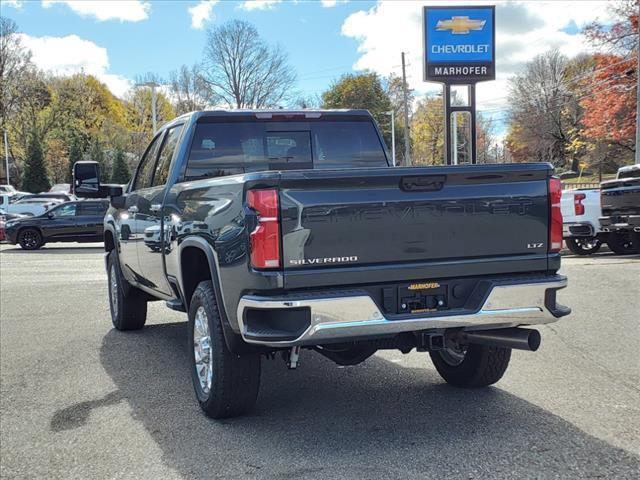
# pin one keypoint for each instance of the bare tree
(15, 63)
(188, 89)
(242, 70)
(537, 98)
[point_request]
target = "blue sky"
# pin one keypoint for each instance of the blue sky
(117, 41)
(309, 32)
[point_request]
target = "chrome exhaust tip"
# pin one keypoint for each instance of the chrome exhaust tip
(518, 338)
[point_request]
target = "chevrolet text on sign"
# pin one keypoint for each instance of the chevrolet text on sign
(459, 44)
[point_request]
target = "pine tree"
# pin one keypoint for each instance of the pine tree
(75, 155)
(35, 173)
(120, 173)
(97, 155)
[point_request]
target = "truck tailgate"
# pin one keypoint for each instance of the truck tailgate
(401, 216)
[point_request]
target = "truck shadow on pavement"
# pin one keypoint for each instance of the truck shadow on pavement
(375, 420)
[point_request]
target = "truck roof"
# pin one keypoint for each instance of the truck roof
(269, 113)
(628, 168)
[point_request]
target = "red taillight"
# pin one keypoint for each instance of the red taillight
(555, 228)
(265, 239)
(577, 203)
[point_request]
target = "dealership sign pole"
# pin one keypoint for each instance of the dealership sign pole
(459, 49)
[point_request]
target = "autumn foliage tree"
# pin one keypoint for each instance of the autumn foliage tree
(610, 111)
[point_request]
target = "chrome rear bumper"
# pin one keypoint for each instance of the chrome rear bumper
(351, 317)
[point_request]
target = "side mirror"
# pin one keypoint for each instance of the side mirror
(50, 215)
(86, 179)
(117, 198)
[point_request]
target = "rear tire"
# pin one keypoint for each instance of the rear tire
(226, 384)
(478, 366)
(622, 243)
(30, 239)
(583, 245)
(127, 304)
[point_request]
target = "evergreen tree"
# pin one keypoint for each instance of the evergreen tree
(120, 173)
(35, 174)
(96, 153)
(75, 155)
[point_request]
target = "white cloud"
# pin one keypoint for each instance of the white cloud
(123, 10)
(258, 4)
(12, 3)
(523, 30)
(202, 12)
(331, 3)
(72, 54)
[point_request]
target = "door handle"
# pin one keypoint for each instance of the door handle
(133, 209)
(155, 207)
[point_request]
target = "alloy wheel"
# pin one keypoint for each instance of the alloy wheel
(453, 355)
(113, 291)
(202, 350)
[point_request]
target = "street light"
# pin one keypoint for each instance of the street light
(153, 86)
(393, 136)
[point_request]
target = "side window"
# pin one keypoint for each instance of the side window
(166, 154)
(68, 210)
(147, 164)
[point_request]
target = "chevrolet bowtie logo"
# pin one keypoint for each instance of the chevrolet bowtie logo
(460, 25)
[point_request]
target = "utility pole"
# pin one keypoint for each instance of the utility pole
(6, 157)
(393, 136)
(153, 86)
(153, 106)
(407, 158)
(638, 99)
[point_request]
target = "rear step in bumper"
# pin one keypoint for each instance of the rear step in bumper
(340, 318)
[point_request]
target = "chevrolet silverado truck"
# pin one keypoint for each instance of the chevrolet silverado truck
(620, 220)
(581, 220)
(285, 231)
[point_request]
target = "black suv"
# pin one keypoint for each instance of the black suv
(80, 221)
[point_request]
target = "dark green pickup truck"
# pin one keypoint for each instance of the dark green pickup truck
(286, 230)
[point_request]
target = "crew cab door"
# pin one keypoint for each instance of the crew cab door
(130, 222)
(155, 231)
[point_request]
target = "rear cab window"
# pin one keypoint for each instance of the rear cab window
(223, 146)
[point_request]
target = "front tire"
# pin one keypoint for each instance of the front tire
(472, 367)
(127, 304)
(30, 239)
(226, 384)
(622, 243)
(583, 245)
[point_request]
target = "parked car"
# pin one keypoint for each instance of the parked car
(79, 221)
(4, 218)
(10, 204)
(620, 219)
(48, 196)
(581, 225)
(312, 241)
(10, 216)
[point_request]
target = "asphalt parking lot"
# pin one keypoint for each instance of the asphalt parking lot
(81, 400)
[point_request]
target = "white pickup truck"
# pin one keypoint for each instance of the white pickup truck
(581, 226)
